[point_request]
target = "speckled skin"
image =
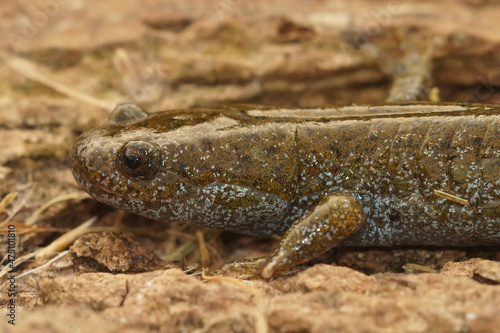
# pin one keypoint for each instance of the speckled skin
(258, 171)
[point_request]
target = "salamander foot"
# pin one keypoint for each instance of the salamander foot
(330, 222)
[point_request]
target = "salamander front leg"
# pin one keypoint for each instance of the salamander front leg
(330, 222)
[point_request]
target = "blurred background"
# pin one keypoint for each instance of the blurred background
(177, 54)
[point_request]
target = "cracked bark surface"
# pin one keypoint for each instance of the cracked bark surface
(179, 54)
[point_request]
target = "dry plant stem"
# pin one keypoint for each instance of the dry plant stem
(245, 285)
(177, 233)
(171, 239)
(30, 71)
(126, 69)
(182, 251)
(22, 229)
(19, 201)
(54, 247)
(10, 199)
(72, 196)
(47, 264)
(119, 219)
(7, 200)
(452, 197)
(65, 240)
(189, 247)
(205, 255)
(123, 65)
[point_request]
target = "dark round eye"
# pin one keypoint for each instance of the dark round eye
(139, 159)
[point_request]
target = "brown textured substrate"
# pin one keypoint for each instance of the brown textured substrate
(322, 298)
(177, 54)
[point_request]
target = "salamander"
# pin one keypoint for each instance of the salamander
(324, 177)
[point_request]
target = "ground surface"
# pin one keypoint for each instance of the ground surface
(178, 54)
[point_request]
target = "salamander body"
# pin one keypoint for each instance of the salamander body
(357, 175)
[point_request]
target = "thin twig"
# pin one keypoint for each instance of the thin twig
(71, 196)
(53, 248)
(204, 253)
(7, 200)
(452, 197)
(32, 72)
(65, 240)
(39, 268)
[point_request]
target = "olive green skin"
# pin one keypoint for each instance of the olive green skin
(256, 170)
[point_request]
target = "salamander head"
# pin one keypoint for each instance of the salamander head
(122, 165)
(189, 166)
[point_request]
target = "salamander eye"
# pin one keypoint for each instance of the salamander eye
(139, 159)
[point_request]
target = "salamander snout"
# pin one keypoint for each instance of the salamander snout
(93, 161)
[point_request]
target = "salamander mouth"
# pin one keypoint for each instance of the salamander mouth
(99, 191)
(89, 185)
(93, 182)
